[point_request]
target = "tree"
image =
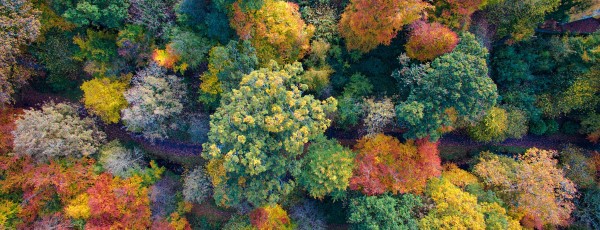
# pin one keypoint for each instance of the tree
(104, 97)
(98, 48)
(100, 13)
(56, 130)
(455, 85)
(456, 13)
(154, 101)
(197, 186)
(156, 16)
(191, 48)
(257, 134)
(350, 108)
(226, 67)
(118, 203)
(518, 19)
(365, 24)
(384, 212)
(454, 209)
(492, 127)
(383, 164)
(380, 114)
(19, 25)
(276, 30)
(8, 116)
(517, 123)
(270, 217)
(120, 161)
(306, 216)
(325, 19)
(577, 167)
(327, 168)
(429, 40)
(533, 186)
(43, 185)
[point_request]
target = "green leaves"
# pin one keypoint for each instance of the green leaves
(257, 134)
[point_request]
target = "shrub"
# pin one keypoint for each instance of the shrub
(56, 130)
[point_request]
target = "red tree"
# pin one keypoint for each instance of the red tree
(7, 125)
(270, 217)
(117, 203)
(384, 164)
(41, 183)
(430, 40)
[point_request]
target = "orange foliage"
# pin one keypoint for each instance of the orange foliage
(384, 164)
(430, 40)
(41, 183)
(7, 125)
(165, 58)
(594, 137)
(276, 30)
(365, 24)
(117, 203)
(270, 218)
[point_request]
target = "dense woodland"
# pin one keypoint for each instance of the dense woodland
(306, 114)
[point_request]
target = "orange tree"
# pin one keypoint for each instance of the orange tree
(384, 165)
(430, 40)
(365, 24)
(276, 30)
(532, 186)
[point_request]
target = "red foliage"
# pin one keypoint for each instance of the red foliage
(7, 125)
(118, 204)
(384, 164)
(270, 217)
(430, 40)
(41, 183)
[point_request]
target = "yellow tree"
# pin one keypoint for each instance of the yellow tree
(365, 24)
(104, 97)
(276, 30)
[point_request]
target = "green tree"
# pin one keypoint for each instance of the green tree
(103, 13)
(226, 67)
(258, 133)
(327, 168)
(456, 82)
(492, 127)
(517, 19)
(384, 212)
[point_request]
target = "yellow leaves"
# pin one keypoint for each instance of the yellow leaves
(78, 208)
(249, 120)
(276, 31)
(458, 177)
(241, 139)
(165, 58)
(104, 97)
(8, 213)
(216, 171)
